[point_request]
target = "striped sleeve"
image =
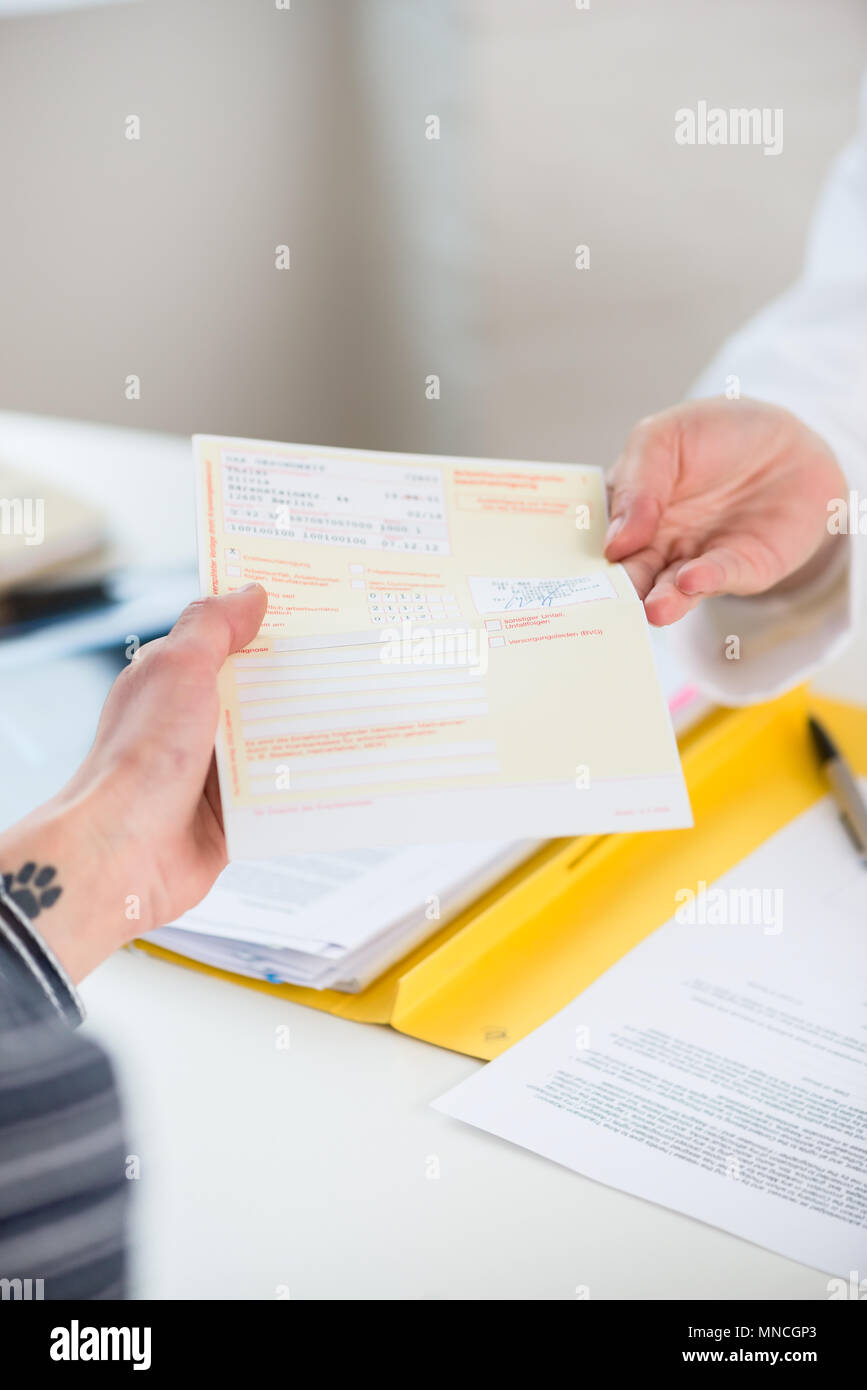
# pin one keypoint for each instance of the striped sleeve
(62, 1184)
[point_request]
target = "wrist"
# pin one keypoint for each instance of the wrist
(66, 873)
(823, 564)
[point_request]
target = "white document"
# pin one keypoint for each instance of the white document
(720, 1068)
(446, 654)
(335, 921)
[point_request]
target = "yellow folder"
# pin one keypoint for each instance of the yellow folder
(553, 925)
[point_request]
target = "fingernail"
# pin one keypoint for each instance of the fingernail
(614, 527)
(245, 589)
(686, 582)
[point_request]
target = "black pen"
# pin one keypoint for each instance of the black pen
(844, 786)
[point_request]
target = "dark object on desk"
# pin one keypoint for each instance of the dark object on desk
(140, 603)
(21, 609)
(844, 786)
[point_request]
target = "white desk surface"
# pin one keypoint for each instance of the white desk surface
(304, 1172)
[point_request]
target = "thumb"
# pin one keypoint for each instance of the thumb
(642, 483)
(212, 628)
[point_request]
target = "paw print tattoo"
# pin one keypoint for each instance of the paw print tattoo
(32, 889)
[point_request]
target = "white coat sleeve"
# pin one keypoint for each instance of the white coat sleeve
(808, 353)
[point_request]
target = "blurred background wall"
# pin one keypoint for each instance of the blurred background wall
(307, 127)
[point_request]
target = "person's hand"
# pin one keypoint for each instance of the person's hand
(136, 837)
(720, 497)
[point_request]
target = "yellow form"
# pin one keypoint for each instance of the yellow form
(446, 653)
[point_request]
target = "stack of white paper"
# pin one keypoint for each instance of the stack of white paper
(335, 921)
